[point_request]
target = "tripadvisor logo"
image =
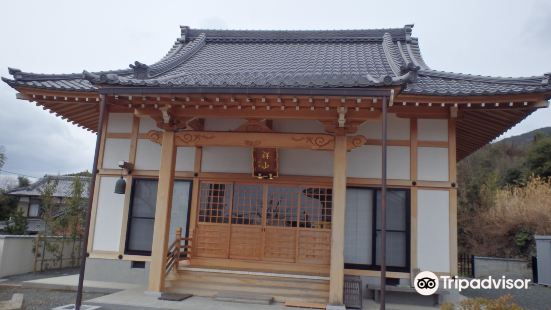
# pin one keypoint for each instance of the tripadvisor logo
(426, 283)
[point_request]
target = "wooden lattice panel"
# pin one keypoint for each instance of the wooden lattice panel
(215, 202)
(316, 207)
(212, 240)
(246, 241)
(247, 204)
(280, 244)
(283, 205)
(314, 246)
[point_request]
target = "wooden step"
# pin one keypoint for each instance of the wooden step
(251, 280)
(281, 288)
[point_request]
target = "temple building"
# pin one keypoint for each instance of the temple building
(253, 160)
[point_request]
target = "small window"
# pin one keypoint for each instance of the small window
(34, 208)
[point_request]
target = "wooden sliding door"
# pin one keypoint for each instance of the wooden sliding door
(213, 230)
(246, 222)
(281, 223)
(262, 221)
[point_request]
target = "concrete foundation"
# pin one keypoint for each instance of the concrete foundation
(110, 270)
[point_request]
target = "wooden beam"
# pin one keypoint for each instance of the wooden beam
(162, 214)
(336, 272)
(258, 139)
(247, 111)
(453, 232)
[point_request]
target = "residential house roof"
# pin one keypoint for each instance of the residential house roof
(63, 187)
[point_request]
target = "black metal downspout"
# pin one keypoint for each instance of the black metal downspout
(383, 199)
(84, 248)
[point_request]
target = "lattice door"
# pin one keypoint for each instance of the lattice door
(281, 223)
(246, 222)
(212, 233)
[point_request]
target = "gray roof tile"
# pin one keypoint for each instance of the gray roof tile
(63, 188)
(298, 59)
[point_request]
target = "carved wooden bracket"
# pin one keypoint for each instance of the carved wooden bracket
(165, 120)
(254, 125)
(258, 139)
(332, 126)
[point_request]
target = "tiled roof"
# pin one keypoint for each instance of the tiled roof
(63, 188)
(284, 59)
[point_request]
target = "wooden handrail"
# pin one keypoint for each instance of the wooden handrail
(175, 252)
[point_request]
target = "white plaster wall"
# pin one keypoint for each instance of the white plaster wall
(397, 128)
(148, 155)
(295, 125)
(305, 162)
(227, 159)
(16, 255)
(432, 129)
(115, 150)
(365, 162)
(432, 164)
(120, 122)
(433, 230)
(147, 124)
(222, 124)
(185, 158)
(108, 223)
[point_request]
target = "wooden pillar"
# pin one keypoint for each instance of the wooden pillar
(336, 274)
(162, 214)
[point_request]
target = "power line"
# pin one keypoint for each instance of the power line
(19, 174)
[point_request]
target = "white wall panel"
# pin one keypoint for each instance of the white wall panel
(227, 159)
(120, 122)
(147, 124)
(222, 124)
(185, 158)
(432, 129)
(432, 164)
(115, 150)
(295, 125)
(398, 128)
(433, 230)
(148, 155)
(365, 162)
(108, 223)
(305, 162)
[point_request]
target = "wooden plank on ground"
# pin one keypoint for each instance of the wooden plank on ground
(304, 304)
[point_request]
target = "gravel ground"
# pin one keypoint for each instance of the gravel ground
(41, 299)
(537, 297)
(39, 275)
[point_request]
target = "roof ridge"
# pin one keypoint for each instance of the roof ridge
(530, 80)
(387, 46)
(185, 52)
(20, 75)
(328, 35)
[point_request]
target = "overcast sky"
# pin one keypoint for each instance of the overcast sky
(502, 38)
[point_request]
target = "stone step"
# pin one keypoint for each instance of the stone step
(246, 298)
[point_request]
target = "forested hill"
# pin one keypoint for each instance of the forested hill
(504, 194)
(506, 161)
